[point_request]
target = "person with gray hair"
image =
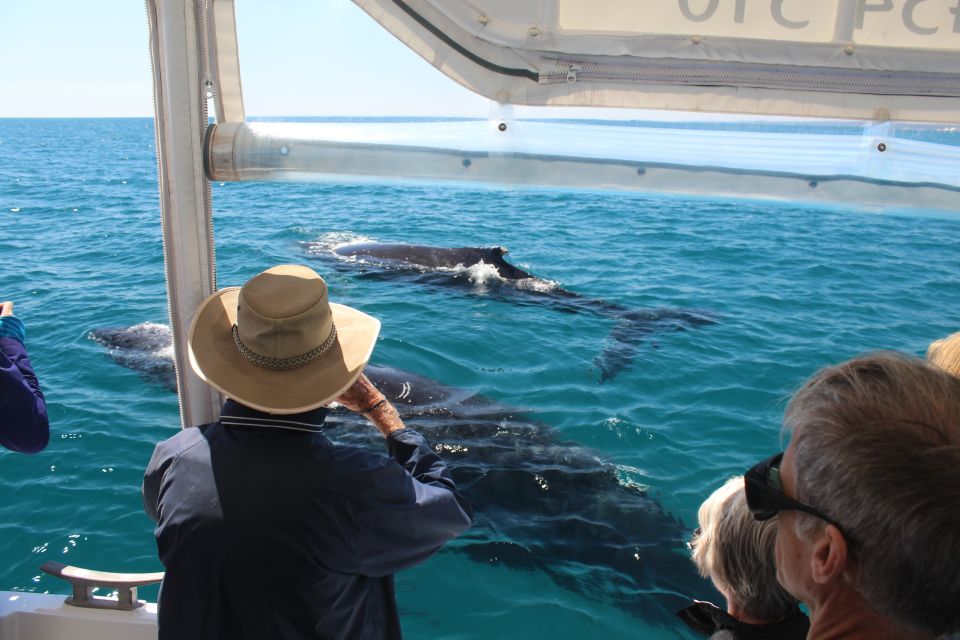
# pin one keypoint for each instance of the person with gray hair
(736, 552)
(868, 496)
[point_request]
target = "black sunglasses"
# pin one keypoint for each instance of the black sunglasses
(765, 495)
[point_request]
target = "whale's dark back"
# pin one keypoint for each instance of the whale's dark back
(428, 257)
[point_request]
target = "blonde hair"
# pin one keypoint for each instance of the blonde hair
(945, 353)
(736, 551)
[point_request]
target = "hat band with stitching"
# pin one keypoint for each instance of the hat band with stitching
(283, 364)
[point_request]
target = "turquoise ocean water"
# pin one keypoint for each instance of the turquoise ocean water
(792, 288)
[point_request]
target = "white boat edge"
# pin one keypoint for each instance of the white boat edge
(25, 616)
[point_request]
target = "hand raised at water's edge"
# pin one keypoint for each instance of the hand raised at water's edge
(363, 397)
(360, 395)
(6, 308)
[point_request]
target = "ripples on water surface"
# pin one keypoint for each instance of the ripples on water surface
(792, 288)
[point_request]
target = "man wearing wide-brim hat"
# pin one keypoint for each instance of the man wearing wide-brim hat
(266, 528)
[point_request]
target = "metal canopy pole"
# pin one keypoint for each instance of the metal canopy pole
(180, 105)
(224, 61)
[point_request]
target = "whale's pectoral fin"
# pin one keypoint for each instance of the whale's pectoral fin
(634, 327)
(615, 357)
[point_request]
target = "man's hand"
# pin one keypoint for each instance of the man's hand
(6, 308)
(361, 395)
(364, 398)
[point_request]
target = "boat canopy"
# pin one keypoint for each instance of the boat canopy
(882, 63)
(860, 59)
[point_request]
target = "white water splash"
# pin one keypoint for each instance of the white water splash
(328, 242)
(536, 284)
(630, 477)
(482, 275)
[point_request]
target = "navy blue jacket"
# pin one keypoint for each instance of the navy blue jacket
(23, 410)
(269, 530)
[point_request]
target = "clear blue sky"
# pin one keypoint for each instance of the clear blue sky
(63, 58)
(90, 58)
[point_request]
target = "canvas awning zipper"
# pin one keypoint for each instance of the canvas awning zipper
(757, 76)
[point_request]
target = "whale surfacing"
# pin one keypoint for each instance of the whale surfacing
(450, 267)
(428, 257)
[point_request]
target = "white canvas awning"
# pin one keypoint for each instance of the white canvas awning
(861, 59)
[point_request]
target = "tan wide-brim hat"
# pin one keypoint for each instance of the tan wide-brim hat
(278, 344)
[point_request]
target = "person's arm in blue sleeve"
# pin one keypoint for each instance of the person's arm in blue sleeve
(152, 479)
(24, 426)
(405, 508)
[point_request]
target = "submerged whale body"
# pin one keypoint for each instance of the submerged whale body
(458, 266)
(147, 348)
(541, 503)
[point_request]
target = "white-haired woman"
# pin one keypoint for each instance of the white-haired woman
(736, 552)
